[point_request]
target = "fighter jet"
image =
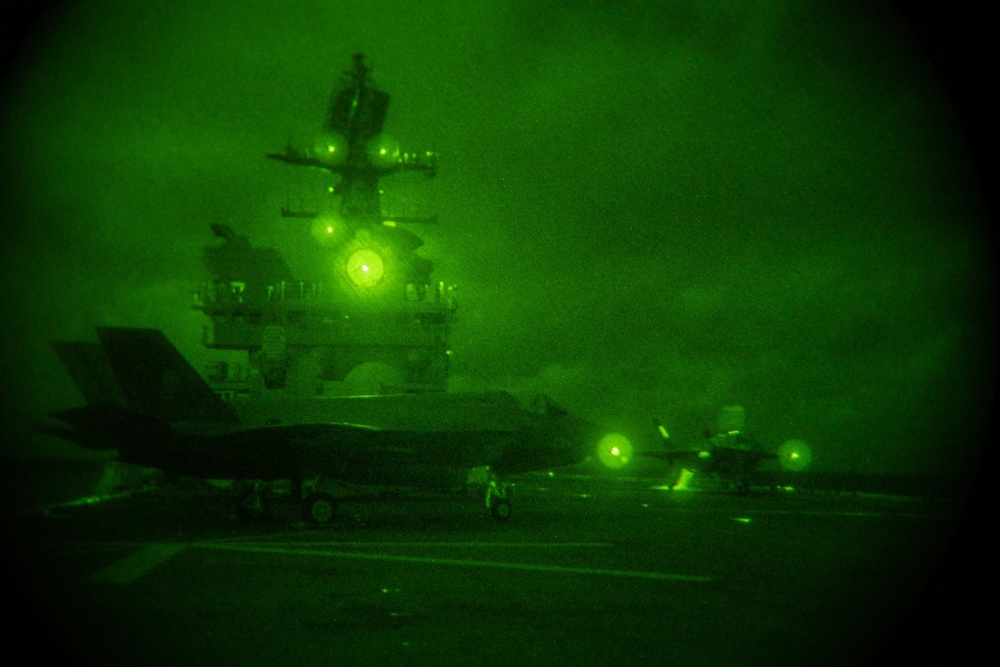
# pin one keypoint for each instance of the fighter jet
(729, 455)
(146, 401)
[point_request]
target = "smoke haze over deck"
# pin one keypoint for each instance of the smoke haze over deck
(649, 208)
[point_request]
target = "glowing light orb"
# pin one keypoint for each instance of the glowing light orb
(326, 229)
(365, 268)
(794, 455)
(383, 151)
(331, 149)
(614, 451)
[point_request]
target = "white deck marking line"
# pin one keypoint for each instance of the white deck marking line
(128, 569)
(845, 513)
(879, 515)
(663, 576)
(245, 538)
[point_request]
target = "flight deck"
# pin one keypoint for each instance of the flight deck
(587, 571)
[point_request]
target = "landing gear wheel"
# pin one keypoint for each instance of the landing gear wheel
(500, 509)
(319, 508)
(498, 499)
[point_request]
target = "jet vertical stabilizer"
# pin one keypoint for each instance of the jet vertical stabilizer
(90, 371)
(157, 381)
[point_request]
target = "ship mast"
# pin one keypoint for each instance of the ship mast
(368, 318)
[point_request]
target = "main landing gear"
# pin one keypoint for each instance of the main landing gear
(254, 499)
(483, 483)
(498, 499)
(319, 508)
(316, 498)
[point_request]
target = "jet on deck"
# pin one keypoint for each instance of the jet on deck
(146, 401)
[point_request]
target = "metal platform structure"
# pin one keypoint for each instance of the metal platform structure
(369, 319)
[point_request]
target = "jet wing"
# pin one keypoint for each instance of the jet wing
(361, 455)
(487, 411)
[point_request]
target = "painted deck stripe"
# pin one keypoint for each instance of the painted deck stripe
(890, 514)
(662, 576)
(131, 568)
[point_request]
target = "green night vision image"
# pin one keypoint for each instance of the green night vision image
(497, 332)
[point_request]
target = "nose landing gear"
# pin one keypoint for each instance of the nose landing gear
(498, 499)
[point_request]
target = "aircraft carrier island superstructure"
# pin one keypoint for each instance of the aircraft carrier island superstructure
(368, 319)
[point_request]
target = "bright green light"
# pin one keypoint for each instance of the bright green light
(794, 455)
(614, 450)
(683, 482)
(331, 149)
(365, 268)
(327, 229)
(383, 151)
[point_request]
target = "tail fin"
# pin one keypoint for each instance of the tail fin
(156, 380)
(90, 371)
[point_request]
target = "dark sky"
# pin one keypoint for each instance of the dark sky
(648, 207)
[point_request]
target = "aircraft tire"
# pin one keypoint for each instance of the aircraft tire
(500, 509)
(319, 508)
